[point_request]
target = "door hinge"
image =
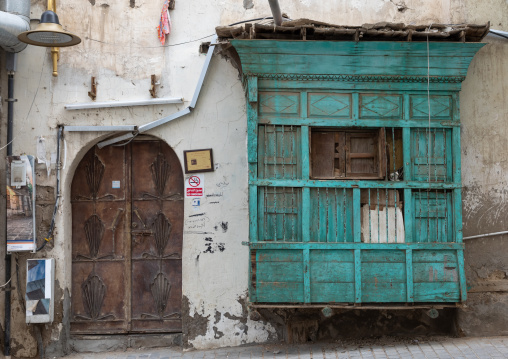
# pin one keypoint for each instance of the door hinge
(246, 243)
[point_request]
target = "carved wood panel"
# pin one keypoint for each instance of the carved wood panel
(127, 206)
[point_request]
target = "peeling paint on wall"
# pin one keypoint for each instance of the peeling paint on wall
(248, 4)
(193, 325)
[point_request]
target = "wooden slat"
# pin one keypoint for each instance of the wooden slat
(409, 276)
(383, 256)
(304, 104)
(305, 152)
(358, 245)
(384, 273)
(462, 276)
(437, 292)
(355, 86)
(332, 256)
(384, 293)
(435, 256)
(332, 292)
(363, 123)
(332, 272)
(280, 292)
(409, 215)
(252, 134)
(358, 276)
(253, 213)
(279, 272)
(357, 220)
(356, 184)
(306, 275)
(435, 272)
(279, 255)
(252, 88)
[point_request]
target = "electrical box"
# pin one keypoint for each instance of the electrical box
(20, 193)
(40, 290)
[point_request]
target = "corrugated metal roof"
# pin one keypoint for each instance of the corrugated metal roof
(305, 29)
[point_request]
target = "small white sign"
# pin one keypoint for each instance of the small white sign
(194, 186)
(115, 184)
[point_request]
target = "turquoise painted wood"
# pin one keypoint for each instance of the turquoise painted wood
(307, 239)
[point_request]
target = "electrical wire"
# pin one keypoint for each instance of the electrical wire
(500, 35)
(190, 41)
(6, 284)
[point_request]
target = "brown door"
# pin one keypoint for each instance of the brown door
(127, 223)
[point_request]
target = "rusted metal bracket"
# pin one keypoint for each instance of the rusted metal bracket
(152, 86)
(93, 92)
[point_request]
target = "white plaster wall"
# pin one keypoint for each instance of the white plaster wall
(121, 50)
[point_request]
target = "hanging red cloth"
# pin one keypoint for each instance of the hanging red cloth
(164, 27)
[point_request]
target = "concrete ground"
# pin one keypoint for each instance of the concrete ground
(384, 348)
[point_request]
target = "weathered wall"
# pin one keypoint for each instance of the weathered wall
(484, 170)
(121, 50)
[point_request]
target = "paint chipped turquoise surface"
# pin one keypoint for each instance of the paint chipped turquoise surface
(306, 239)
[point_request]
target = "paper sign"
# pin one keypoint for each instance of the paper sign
(194, 186)
(115, 184)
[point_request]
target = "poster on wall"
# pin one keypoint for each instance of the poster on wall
(20, 195)
(40, 290)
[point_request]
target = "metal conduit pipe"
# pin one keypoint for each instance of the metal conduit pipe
(14, 19)
(277, 15)
(11, 59)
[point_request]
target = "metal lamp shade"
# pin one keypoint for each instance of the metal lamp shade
(49, 33)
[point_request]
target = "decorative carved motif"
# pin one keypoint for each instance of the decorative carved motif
(94, 231)
(357, 78)
(160, 169)
(161, 289)
(441, 107)
(336, 105)
(386, 106)
(94, 172)
(271, 103)
(93, 294)
(161, 228)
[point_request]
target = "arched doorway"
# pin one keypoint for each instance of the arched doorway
(127, 227)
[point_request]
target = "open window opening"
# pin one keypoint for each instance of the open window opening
(348, 153)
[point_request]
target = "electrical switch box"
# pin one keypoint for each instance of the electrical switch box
(40, 290)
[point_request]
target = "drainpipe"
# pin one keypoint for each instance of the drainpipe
(11, 68)
(277, 15)
(14, 19)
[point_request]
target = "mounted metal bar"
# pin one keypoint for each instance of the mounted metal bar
(176, 115)
(109, 104)
(164, 120)
(100, 128)
(127, 136)
(486, 235)
(203, 72)
(277, 15)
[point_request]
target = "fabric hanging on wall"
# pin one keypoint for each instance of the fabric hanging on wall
(164, 27)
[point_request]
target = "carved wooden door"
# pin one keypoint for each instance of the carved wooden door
(127, 223)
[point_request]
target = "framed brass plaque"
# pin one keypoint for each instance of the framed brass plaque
(198, 160)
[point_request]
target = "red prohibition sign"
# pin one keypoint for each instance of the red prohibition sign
(194, 181)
